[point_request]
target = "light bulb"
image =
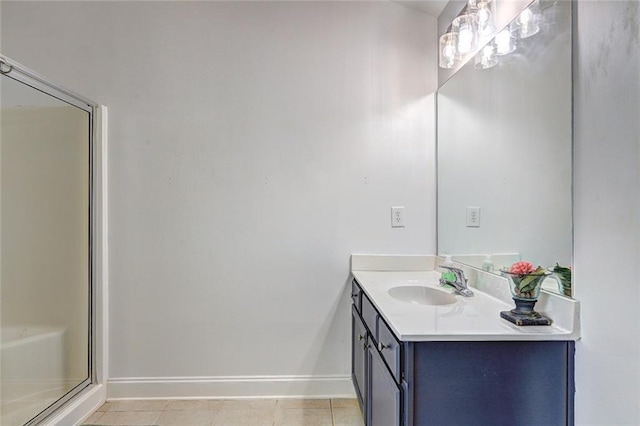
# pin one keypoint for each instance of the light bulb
(526, 24)
(504, 43)
(448, 54)
(465, 39)
(484, 17)
(487, 51)
(464, 25)
(486, 58)
(525, 17)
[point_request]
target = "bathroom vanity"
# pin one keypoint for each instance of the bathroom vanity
(429, 358)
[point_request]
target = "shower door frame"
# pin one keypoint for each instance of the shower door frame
(24, 75)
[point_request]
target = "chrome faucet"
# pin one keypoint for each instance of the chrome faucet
(460, 284)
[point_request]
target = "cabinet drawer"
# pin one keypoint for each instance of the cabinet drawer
(369, 316)
(356, 295)
(389, 348)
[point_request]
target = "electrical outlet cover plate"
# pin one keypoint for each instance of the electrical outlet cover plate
(397, 217)
(473, 217)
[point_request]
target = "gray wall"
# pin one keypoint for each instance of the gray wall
(607, 212)
(253, 147)
(130, 72)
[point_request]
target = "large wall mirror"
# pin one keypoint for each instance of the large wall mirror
(505, 152)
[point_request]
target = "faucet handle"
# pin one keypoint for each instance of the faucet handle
(461, 281)
(455, 270)
(459, 273)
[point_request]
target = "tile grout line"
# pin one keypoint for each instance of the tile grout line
(333, 418)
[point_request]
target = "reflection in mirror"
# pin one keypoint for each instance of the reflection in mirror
(504, 149)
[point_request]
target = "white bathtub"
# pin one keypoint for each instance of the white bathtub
(33, 370)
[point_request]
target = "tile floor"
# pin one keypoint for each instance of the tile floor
(248, 412)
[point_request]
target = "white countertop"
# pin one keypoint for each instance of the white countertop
(475, 318)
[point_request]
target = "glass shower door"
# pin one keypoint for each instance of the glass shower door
(44, 249)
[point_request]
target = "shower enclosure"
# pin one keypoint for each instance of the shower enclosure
(46, 249)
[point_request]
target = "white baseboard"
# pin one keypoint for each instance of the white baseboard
(338, 386)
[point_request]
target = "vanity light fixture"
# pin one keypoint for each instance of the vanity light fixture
(527, 23)
(466, 28)
(486, 57)
(473, 25)
(484, 18)
(449, 56)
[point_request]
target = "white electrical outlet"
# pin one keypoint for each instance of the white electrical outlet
(473, 217)
(397, 217)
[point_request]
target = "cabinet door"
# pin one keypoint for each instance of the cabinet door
(522, 383)
(358, 356)
(390, 349)
(385, 398)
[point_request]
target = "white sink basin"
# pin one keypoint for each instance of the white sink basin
(420, 295)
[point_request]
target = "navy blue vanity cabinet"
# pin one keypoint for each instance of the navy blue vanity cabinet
(469, 383)
(376, 365)
(493, 383)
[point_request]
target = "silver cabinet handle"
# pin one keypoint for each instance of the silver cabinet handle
(354, 295)
(360, 337)
(381, 347)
